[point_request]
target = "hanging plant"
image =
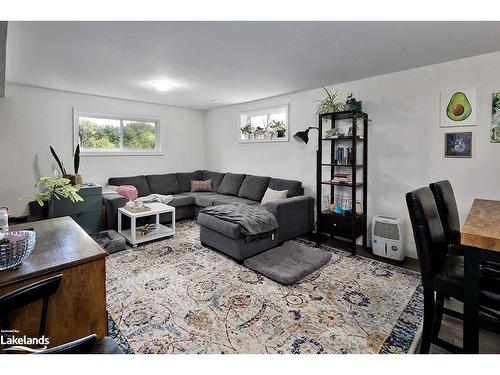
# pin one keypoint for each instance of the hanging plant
(330, 104)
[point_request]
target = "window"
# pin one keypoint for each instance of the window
(100, 134)
(264, 125)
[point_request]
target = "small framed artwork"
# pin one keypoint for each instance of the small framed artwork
(458, 108)
(458, 145)
(495, 118)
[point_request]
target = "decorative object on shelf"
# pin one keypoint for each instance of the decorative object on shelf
(54, 187)
(352, 104)
(15, 246)
(359, 208)
(495, 118)
(329, 104)
(75, 178)
(338, 204)
(248, 131)
(458, 145)
(458, 107)
(278, 128)
(349, 133)
(333, 133)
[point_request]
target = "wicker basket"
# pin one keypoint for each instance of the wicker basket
(12, 254)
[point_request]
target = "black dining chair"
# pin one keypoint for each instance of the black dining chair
(442, 273)
(450, 219)
(42, 290)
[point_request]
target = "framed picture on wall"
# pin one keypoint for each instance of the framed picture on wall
(495, 118)
(458, 108)
(458, 145)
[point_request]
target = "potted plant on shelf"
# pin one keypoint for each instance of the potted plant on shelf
(278, 128)
(54, 187)
(247, 131)
(75, 178)
(352, 104)
(259, 132)
(330, 104)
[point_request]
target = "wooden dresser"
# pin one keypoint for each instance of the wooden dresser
(79, 306)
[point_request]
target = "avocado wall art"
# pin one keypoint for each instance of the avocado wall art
(458, 107)
(495, 118)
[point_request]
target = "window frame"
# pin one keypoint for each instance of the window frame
(121, 117)
(265, 111)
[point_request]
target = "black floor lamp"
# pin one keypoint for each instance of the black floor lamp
(303, 137)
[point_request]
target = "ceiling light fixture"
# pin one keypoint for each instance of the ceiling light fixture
(161, 85)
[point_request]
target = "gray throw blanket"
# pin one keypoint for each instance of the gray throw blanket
(255, 222)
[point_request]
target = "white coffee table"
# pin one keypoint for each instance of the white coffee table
(161, 230)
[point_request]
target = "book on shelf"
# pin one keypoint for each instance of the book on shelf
(342, 178)
(343, 155)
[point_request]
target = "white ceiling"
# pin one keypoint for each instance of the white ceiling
(231, 61)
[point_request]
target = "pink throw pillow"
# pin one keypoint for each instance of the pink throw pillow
(128, 191)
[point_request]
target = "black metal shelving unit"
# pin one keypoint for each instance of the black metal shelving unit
(347, 226)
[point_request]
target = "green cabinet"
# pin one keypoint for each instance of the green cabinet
(87, 213)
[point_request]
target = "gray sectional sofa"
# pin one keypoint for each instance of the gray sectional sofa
(295, 214)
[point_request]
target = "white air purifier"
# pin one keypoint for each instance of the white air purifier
(387, 238)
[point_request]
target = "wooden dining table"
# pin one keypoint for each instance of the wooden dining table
(480, 237)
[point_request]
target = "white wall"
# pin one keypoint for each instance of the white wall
(406, 144)
(32, 119)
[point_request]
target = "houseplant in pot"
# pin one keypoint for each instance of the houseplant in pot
(329, 104)
(75, 178)
(247, 131)
(278, 128)
(352, 104)
(53, 187)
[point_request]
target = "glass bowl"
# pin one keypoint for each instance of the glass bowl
(12, 254)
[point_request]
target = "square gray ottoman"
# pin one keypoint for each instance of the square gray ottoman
(227, 238)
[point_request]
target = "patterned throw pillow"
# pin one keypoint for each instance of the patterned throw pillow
(273, 195)
(201, 185)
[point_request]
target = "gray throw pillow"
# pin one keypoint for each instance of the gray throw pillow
(231, 184)
(253, 187)
(163, 183)
(294, 187)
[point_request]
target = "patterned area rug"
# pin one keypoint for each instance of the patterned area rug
(175, 296)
